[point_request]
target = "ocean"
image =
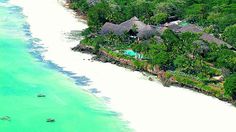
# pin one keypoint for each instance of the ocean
(24, 75)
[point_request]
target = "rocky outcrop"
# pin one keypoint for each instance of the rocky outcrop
(103, 56)
(152, 69)
(84, 49)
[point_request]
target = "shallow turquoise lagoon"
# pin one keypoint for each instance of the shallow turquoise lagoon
(23, 75)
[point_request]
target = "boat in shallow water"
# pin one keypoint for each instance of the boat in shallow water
(25, 76)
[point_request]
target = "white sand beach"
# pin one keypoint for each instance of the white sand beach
(147, 105)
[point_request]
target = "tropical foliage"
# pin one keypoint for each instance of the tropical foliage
(183, 53)
(230, 86)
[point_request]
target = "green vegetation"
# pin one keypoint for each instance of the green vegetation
(230, 35)
(184, 56)
(215, 14)
(230, 86)
(79, 4)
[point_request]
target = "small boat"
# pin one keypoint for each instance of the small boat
(51, 120)
(41, 95)
(5, 118)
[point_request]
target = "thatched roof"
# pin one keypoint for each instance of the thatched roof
(143, 30)
(109, 27)
(161, 29)
(128, 25)
(159, 39)
(195, 29)
(211, 39)
(190, 28)
(174, 27)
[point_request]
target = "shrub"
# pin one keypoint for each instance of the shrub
(79, 5)
(230, 86)
(138, 64)
(159, 18)
(230, 35)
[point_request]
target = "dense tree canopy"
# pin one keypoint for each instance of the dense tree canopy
(230, 86)
(230, 35)
(216, 13)
(186, 52)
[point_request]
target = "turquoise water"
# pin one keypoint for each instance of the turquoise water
(23, 75)
(133, 54)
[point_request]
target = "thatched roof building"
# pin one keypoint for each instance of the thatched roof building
(190, 28)
(194, 29)
(142, 30)
(174, 27)
(110, 28)
(211, 39)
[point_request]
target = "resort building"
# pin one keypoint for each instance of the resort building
(134, 27)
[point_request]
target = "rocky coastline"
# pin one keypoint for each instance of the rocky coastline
(105, 57)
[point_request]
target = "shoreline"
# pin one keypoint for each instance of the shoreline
(105, 57)
(148, 106)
